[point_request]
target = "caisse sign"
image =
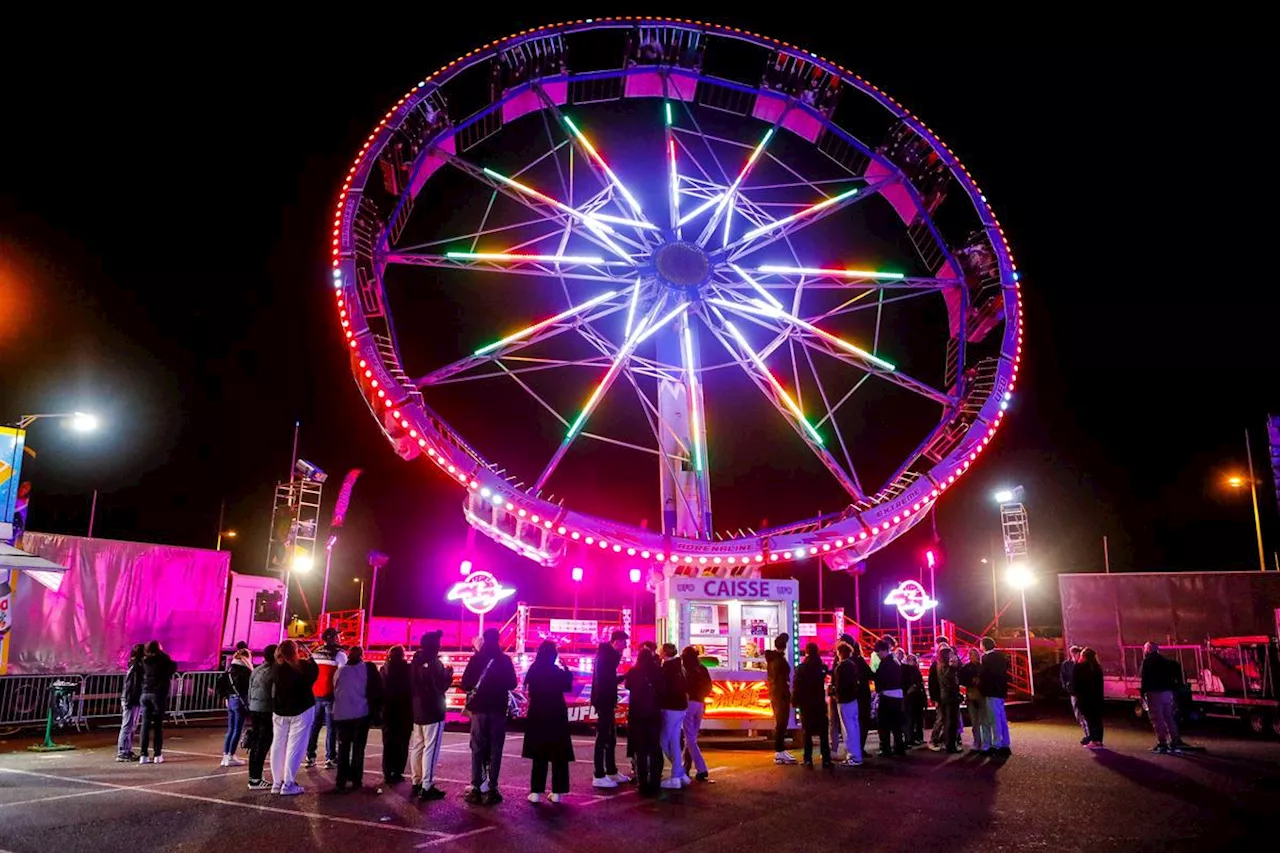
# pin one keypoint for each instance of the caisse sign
(911, 600)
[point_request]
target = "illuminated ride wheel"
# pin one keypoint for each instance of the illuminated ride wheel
(668, 241)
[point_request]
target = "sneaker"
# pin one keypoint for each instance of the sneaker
(144, 760)
(433, 793)
(670, 784)
(1095, 744)
(935, 747)
(291, 789)
(1160, 749)
(259, 785)
(232, 761)
(1004, 750)
(703, 776)
(1084, 741)
(484, 786)
(686, 781)
(472, 796)
(849, 762)
(492, 798)
(329, 764)
(534, 797)
(124, 756)
(620, 778)
(603, 782)
(275, 789)
(783, 758)
(556, 798)
(309, 763)
(416, 789)
(159, 759)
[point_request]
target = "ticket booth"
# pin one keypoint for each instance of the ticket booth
(733, 621)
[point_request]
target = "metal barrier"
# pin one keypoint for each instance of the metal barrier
(24, 699)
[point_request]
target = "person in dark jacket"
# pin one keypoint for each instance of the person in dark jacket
(157, 672)
(1067, 673)
(936, 736)
(913, 702)
(604, 698)
(1087, 680)
(130, 704)
(1159, 681)
(839, 749)
(237, 687)
(260, 734)
(430, 681)
(979, 711)
(888, 678)
(546, 738)
(778, 675)
(397, 715)
(697, 680)
(949, 698)
(327, 658)
(357, 700)
(644, 683)
(809, 693)
(846, 689)
(993, 680)
(293, 706)
(865, 677)
(674, 700)
(488, 679)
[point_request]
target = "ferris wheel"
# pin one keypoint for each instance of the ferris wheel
(623, 246)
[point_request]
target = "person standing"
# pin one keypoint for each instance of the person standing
(949, 699)
(157, 673)
(397, 715)
(839, 749)
(913, 702)
(936, 736)
(888, 680)
(488, 681)
(130, 704)
(1159, 681)
(809, 692)
(778, 675)
(546, 739)
(697, 679)
(1067, 673)
(260, 735)
(1087, 680)
(237, 689)
(993, 680)
(674, 701)
(644, 720)
(604, 698)
(293, 706)
(430, 681)
(845, 687)
(357, 699)
(979, 712)
(327, 659)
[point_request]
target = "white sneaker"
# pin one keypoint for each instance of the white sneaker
(232, 761)
(484, 786)
(535, 797)
(686, 781)
(783, 758)
(555, 798)
(603, 782)
(159, 759)
(290, 789)
(620, 778)
(145, 759)
(670, 784)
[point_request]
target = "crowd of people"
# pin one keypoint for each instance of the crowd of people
(1161, 680)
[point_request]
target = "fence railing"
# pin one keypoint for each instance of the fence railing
(24, 699)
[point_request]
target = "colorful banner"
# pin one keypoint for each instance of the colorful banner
(1273, 436)
(344, 498)
(12, 442)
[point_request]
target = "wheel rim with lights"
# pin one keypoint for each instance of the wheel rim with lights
(717, 237)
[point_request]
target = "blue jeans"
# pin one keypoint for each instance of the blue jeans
(323, 718)
(236, 713)
(130, 715)
(999, 723)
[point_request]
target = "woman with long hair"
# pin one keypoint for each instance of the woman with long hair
(644, 720)
(293, 709)
(237, 687)
(1087, 679)
(130, 704)
(546, 739)
(697, 680)
(397, 715)
(157, 671)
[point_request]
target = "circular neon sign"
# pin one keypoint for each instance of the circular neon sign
(479, 592)
(911, 600)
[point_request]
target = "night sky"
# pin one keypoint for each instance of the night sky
(164, 205)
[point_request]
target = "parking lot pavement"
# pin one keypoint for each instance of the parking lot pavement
(1050, 795)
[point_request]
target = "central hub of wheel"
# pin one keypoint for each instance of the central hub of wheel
(682, 265)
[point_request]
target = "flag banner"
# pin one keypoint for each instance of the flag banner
(12, 441)
(344, 498)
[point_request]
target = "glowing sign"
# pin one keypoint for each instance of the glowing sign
(479, 592)
(911, 600)
(739, 699)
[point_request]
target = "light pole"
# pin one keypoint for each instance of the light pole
(80, 422)
(1020, 577)
(576, 574)
(361, 582)
(328, 563)
(1237, 482)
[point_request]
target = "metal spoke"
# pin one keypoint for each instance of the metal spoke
(822, 394)
(595, 269)
(767, 235)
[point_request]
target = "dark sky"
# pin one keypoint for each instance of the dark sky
(163, 210)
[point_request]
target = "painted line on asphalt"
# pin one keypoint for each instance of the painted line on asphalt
(435, 834)
(55, 797)
(453, 837)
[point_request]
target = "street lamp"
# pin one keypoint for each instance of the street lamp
(361, 582)
(1236, 481)
(1020, 576)
(80, 421)
(224, 534)
(576, 574)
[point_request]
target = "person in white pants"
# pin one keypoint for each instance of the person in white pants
(674, 700)
(293, 710)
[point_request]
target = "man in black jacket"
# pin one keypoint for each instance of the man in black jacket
(1067, 672)
(993, 681)
(778, 677)
(604, 698)
(674, 700)
(888, 680)
(488, 680)
(429, 680)
(1159, 680)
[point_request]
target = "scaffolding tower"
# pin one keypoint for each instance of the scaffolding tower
(1013, 524)
(295, 524)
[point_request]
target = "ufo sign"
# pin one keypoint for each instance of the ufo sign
(911, 600)
(479, 592)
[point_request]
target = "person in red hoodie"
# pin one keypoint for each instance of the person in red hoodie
(327, 659)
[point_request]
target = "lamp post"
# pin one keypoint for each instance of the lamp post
(1020, 577)
(1237, 482)
(80, 422)
(361, 582)
(328, 563)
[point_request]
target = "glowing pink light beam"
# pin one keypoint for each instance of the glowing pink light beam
(510, 256)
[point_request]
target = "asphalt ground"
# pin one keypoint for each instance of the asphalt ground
(1051, 794)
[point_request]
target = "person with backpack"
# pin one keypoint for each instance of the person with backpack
(130, 704)
(235, 685)
(697, 679)
(357, 701)
(260, 726)
(429, 679)
(488, 681)
(157, 672)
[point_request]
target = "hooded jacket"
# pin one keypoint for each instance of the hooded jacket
(260, 683)
(605, 678)
(357, 691)
(779, 675)
(430, 680)
(674, 690)
(157, 672)
(492, 687)
(809, 690)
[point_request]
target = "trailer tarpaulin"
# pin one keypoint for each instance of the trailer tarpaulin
(1109, 611)
(113, 595)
